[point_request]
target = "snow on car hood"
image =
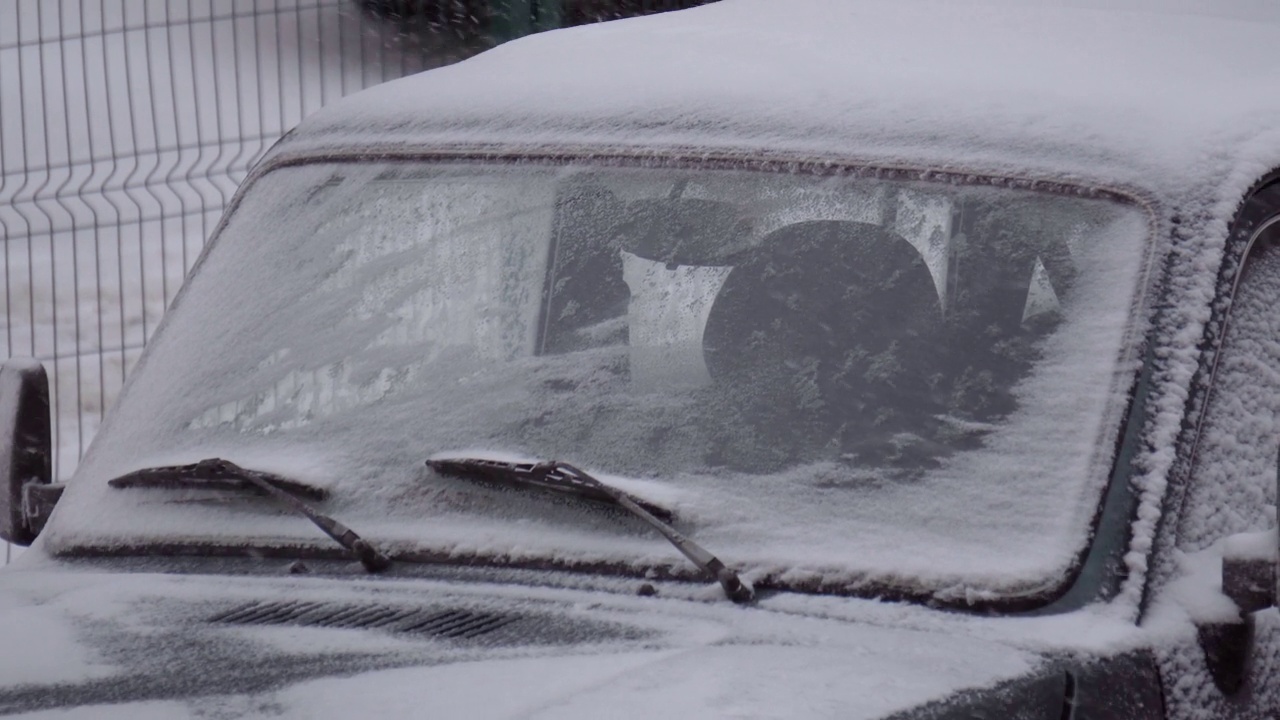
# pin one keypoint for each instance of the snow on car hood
(142, 645)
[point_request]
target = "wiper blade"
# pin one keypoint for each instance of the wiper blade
(219, 474)
(563, 477)
(540, 475)
(214, 474)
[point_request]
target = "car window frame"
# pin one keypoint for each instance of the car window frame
(1117, 502)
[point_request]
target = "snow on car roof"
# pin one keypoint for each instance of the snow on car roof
(1135, 96)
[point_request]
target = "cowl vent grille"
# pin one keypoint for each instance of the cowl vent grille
(447, 623)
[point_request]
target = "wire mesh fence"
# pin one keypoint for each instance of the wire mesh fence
(125, 126)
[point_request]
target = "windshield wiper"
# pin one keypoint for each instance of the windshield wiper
(219, 474)
(563, 477)
(542, 476)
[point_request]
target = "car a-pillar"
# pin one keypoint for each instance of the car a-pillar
(1235, 459)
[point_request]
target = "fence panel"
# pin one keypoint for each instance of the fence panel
(125, 126)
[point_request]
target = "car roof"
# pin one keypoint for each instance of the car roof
(1172, 97)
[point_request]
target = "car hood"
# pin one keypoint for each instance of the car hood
(150, 645)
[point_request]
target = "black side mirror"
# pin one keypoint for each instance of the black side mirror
(1251, 579)
(26, 451)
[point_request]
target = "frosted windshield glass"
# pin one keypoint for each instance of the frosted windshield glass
(829, 378)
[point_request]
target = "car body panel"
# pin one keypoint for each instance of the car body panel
(1173, 109)
(105, 633)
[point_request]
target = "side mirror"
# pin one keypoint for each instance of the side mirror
(1251, 579)
(1249, 563)
(26, 450)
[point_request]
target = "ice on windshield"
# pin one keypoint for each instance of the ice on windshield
(824, 377)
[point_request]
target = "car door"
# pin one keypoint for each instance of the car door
(1232, 669)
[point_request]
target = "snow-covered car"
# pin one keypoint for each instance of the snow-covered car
(858, 359)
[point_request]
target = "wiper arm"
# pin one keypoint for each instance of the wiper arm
(219, 474)
(560, 476)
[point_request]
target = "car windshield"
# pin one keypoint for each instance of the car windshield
(830, 378)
